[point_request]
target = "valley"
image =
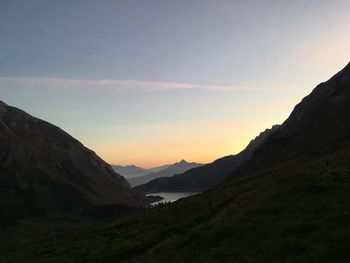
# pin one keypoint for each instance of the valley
(287, 203)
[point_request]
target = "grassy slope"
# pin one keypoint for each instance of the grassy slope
(293, 212)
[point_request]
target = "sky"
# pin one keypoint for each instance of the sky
(153, 82)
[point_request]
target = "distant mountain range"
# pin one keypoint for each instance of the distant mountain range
(129, 171)
(170, 170)
(44, 171)
(206, 176)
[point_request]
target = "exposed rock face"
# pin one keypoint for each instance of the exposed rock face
(208, 175)
(327, 107)
(319, 124)
(43, 170)
(255, 144)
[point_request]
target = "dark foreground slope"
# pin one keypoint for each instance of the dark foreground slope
(294, 212)
(44, 171)
(294, 209)
(206, 176)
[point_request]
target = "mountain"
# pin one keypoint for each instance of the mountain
(44, 171)
(318, 125)
(288, 203)
(129, 171)
(158, 168)
(206, 176)
(176, 168)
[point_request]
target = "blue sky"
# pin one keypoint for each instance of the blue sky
(149, 82)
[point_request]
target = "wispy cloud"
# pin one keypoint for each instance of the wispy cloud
(118, 85)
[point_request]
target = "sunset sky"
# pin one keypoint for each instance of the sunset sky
(153, 82)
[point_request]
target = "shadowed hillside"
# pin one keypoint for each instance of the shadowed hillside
(44, 171)
(318, 125)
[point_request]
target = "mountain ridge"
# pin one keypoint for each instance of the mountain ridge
(176, 168)
(315, 126)
(129, 170)
(206, 176)
(46, 171)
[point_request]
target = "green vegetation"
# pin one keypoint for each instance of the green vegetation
(297, 211)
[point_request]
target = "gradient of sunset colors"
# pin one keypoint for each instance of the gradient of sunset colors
(154, 82)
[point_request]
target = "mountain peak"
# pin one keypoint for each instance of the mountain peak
(183, 161)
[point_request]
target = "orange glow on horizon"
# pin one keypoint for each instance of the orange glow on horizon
(201, 142)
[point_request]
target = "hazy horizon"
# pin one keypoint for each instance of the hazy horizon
(151, 83)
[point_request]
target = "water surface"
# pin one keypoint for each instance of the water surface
(172, 196)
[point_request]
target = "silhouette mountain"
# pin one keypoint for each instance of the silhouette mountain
(316, 125)
(45, 171)
(176, 168)
(319, 124)
(206, 176)
(129, 171)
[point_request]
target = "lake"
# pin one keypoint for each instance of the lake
(172, 196)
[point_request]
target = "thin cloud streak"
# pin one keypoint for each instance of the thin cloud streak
(120, 85)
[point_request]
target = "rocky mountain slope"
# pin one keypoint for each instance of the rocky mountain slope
(318, 125)
(44, 171)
